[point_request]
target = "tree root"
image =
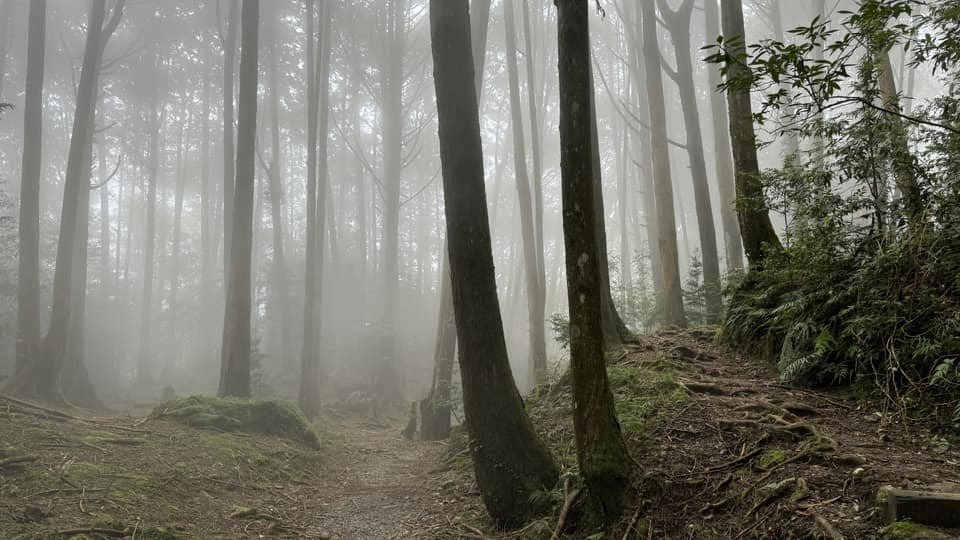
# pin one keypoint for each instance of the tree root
(704, 388)
(825, 528)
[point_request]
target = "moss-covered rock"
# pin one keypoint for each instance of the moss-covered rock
(274, 418)
(906, 530)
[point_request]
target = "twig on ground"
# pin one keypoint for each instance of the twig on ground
(632, 524)
(113, 533)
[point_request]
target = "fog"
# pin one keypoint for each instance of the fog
(152, 300)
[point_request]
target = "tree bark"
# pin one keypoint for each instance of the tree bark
(509, 460)
(28, 271)
(235, 372)
(678, 24)
(756, 229)
(673, 314)
(601, 453)
(722, 154)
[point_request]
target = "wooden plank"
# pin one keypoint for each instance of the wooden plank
(937, 509)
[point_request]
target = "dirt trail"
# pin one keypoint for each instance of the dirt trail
(377, 487)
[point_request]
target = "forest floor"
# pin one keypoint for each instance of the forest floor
(727, 451)
(153, 479)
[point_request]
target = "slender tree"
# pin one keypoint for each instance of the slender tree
(672, 304)
(531, 262)
(228, 43)
(509, 460)
(755, 226)
(28, 276)
(601, 453)
(678, 24)
(54, 353)
(235, 371)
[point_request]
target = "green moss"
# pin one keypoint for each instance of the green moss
(906, 530)
(122, 485)
(641, 393)
(275, 418)
(771, 458)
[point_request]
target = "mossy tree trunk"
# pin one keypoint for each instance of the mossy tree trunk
(601, 453)
(510, 461)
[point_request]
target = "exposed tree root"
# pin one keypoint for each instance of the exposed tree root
(704, 388)
(113, 533)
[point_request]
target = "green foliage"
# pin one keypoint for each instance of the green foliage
(560, 326)
(866, 288)
(695, 293)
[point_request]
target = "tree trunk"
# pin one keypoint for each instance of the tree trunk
(678, 24)
(903, 162)
(615, 331)
(601, 453)
(156, 121)
(435, 409)
(755, 227)
(229, 45)
(173, 355)
(673, 314)
(280, 313)
(235, 372)
(28, 274)
(207, 251)
(392, 99)
(531, 262)
(318, 61)
(510, 462)
(722, 154)
(54, 350)
(480, 24)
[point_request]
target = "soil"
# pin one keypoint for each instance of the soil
(738, 455)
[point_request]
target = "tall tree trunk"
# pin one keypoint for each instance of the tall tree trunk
(207, 250)
(106, 282)
(536, 147)
(903, 161)
(173, 354)
(235, 372)
(435, 409)
(722, 154)
(756, 229)
(6, 13)
(531, 262)
(673, 314)
(28, 270)
(318, 61)
(480, 25)
(229, 45)
(280, 312)
(615, 331)
(392, 114)
(156, 122)
(54, 350)
(601, 453)
(509, 460)
(678, 24)
(788, 138)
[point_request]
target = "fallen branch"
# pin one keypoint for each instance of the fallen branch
(113, 533)
(568, 500)
(17, 459)
(825, 528)
(632, 524)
